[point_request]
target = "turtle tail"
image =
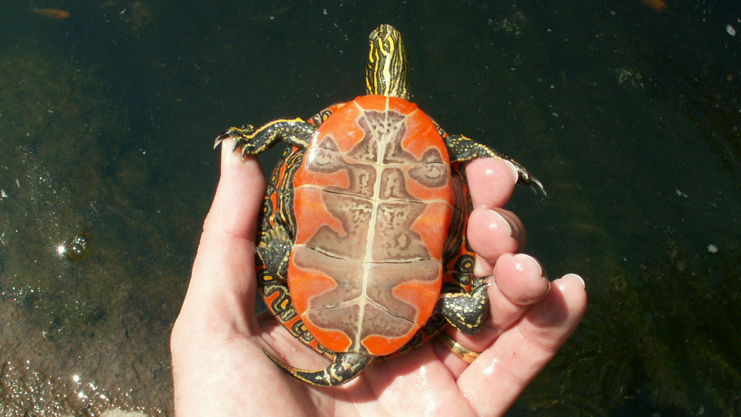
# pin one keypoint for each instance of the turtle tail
(344, 367)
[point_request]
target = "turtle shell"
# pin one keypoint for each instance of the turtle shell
(373, 203)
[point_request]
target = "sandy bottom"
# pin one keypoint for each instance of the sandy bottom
(114, 374)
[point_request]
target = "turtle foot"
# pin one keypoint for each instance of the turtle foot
(528, 179)
(274, 250)
(344, 367)
(467, 312)
(241, 136)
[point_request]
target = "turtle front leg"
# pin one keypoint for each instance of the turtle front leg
(463, 149)
(467, 312)
(344, 367)
(255, 141)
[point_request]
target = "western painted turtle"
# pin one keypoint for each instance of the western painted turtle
(362, 248)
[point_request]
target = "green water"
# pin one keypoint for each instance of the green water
(629, 116)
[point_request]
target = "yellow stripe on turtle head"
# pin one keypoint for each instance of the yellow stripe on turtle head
(388, 67)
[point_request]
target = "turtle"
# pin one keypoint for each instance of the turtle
(362, 251)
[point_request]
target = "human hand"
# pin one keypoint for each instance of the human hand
(219, 367)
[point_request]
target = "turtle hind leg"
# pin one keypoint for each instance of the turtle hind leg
(467, 312)
(344, 367)
(463, 149)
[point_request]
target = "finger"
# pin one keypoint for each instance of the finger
(490, 181)
(498, 376)
(518, 283)
(222, 287)
(493, 232)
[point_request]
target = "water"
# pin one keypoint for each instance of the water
(628, 115)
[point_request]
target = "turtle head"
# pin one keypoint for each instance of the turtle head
(388, 67)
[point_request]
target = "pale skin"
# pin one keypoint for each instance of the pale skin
(217, 343)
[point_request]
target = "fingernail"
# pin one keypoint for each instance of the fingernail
(515, 174)
(233, 156)
(514, 232)
(481, 267)
(576, 278)
(522, 257)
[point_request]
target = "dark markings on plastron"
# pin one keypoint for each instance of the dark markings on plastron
(354, 214)
(384, 277)
(348, 276)
(378, 127)
(326, 159)
(390, 124)
(344, 318)
(393, 185)
(432, 172)
(394, 239)
(398, 253)
(376, 321)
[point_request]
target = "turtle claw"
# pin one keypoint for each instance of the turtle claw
(536, 186)
(344, 367)
(525, 178)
